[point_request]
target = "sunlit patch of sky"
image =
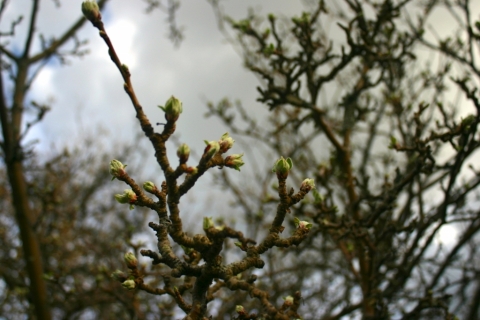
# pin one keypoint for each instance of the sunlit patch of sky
(122, 32)
(447, 235)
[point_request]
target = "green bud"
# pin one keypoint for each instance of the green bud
(234, 161)
(208, 223)
(282, 167)
(130, 260)
(226, 142)
(211, 149)
(307, 185)
(183, 153)
(288, 300)
(91, 11)
(192, 170)
(119, 275)
(117, 169)
(149, 186)
(129, 284)
(127, 197)
(302, 224)
(173, 108)
(240, 309)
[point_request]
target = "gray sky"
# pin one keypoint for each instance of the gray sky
(89, 91)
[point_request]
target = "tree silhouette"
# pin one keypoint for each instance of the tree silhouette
(390, 156)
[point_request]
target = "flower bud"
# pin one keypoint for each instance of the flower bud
(282, 167)
(149, 186)
(129, 284)
(234, 161)
(302, 224)
(226, 142)
(211, 149)
(130, 260)
(117, 169)
(119, 275)
(173, 108)
(91, 11)
(183, 153)
(307, 185)
(208, 223)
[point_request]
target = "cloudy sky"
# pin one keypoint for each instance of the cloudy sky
(89, 92)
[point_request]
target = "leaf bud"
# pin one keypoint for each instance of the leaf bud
(191, 170)
(240, 310)
(211, 149)
(119, 275)
(130, 260)
(173, 108)
(128, 196)
(149, 186)
(117, 169)
(282, 167)
(288, 300)
(208, 223)
(226, 142)
(91, 11)
(302, 224)
(129, 284)
(307, 185)
(183, 152)
(234, 161)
